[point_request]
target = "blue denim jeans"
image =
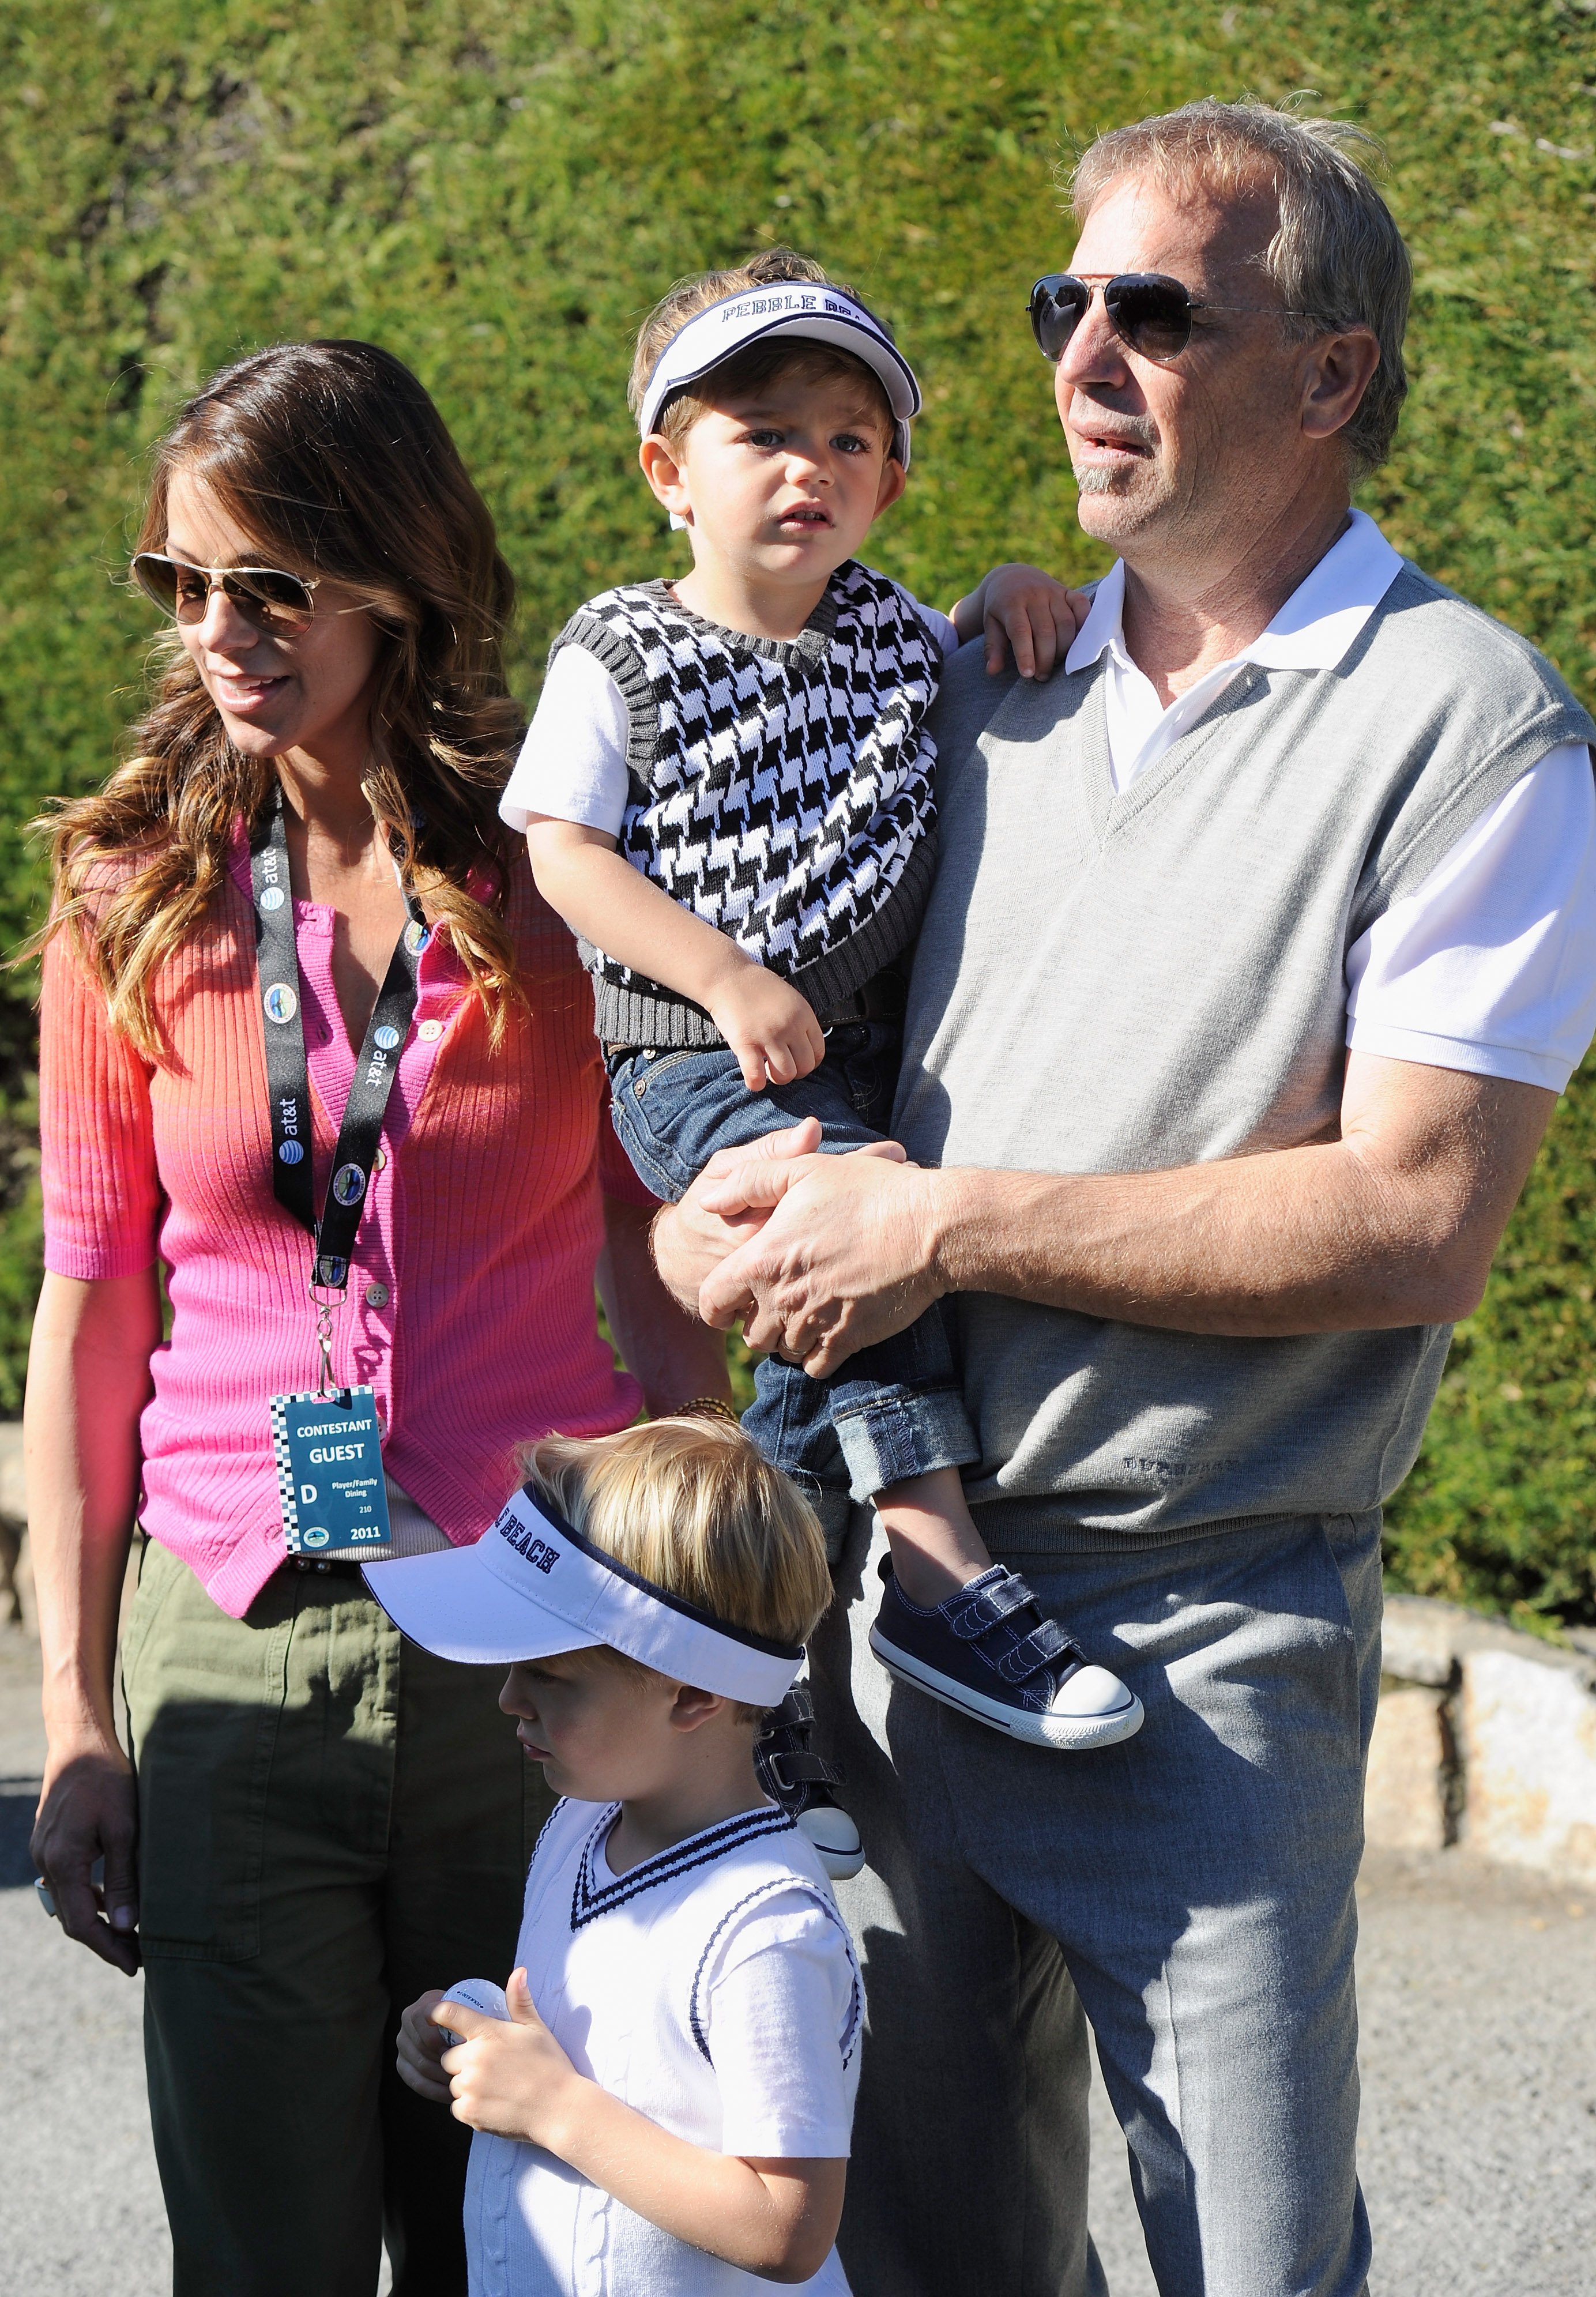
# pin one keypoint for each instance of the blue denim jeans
(1188, 1893)
(894, 1409)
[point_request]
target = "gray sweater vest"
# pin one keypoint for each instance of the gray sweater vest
(1119, 984)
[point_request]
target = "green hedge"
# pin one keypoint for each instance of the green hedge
(497, 191)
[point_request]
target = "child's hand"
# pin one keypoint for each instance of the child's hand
(421, 2047)
(509, 2076)
(1023, 608)
(771, 1029)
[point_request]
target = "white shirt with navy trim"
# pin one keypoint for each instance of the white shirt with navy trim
(714, 1988)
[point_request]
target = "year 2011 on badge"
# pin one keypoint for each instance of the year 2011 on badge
(329, 1452)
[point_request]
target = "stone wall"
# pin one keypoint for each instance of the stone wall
(1484, 1738)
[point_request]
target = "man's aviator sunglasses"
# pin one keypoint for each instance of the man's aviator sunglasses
(278, 602)
(1147, 309)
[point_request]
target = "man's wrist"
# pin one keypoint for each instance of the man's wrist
(968, 1234)
(673, 1264)
(945, 1212)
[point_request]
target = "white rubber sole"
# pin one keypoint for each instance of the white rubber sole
(842, 1866)
(842, 1860)
(1064, 1734)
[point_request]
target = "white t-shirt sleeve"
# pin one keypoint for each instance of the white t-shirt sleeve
(1490, 966)
(573, 764)
(783, 2029)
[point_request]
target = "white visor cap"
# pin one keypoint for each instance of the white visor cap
(531, 1586)
(803, 308)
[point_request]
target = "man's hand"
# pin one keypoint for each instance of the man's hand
(1021, 608)
(507, 2075)
(846, 1256)
(773, 1030)
(90, 1810)
(690, 1240)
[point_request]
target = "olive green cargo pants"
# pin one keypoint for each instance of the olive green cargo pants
(331, 1821)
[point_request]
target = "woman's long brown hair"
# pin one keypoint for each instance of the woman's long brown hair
(335, 462)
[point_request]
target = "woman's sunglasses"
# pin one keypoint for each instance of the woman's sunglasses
(1148, 310)
(279, 604)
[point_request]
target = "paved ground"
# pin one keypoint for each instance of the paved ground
(1479, 2052)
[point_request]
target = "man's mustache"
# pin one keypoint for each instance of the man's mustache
(1116, 430)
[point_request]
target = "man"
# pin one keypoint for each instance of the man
(1260, 948)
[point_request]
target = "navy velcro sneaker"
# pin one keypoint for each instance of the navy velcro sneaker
(793, 1775)
(992, 1652)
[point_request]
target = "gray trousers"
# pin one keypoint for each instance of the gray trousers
(1189, 1892)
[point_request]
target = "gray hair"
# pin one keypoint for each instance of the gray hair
(1337, 256)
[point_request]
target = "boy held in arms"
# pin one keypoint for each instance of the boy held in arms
(728, 792)
(665, 2090)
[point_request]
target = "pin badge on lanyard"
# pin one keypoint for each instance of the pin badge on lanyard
(327, 1442)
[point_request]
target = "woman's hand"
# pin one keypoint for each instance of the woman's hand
(421, 2043)
(672, 1356)
(90, 1810)
(507, 2075)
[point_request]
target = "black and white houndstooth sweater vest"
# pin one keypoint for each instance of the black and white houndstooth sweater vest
(781, 789)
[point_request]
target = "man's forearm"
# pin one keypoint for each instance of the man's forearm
(1394, 1224)
(1300, 1241)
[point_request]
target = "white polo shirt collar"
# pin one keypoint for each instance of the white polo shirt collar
(1313, 630)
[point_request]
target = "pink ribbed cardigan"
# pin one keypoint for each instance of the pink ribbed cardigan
(483, 1225)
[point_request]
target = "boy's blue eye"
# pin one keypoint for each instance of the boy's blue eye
(852, 443)
(765, 438)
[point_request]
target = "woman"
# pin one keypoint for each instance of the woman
(326, 1820)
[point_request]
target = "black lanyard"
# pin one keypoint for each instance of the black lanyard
(288, 1071)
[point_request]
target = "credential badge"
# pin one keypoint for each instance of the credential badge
(348, 1184)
